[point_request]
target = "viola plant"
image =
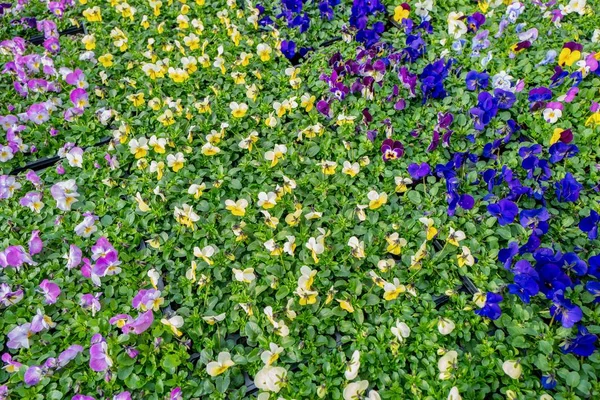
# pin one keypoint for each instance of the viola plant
(408, 212)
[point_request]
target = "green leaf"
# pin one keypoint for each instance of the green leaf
(170, 363)
(572, 379)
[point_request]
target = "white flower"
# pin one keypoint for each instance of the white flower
(401, 331)
(445, 326)
(454, 395)
(596, 36)
(222, 364)
(446, 364)
(512, 368)
(270, 378)
(358, 247)
(551, 115)
(175, 322)
(353, 366)
(75, 157)
(154, 277)
(351, 169)
(271, 355)
(246, 275)
(6, 154)
(206, 253)
(577, 6)
(456, 26)
(354, 390)
(502, 81)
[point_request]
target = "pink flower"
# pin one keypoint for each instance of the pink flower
(176, 394)
(50, 290)
(11, 365)
(79, 97)
(101, 248)
(38, 113)
(76, 78)
(122, 396)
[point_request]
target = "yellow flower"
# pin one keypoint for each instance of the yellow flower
(192, 41)
(238, 78)
(267, 200)
(158, 144)
(203, 106)
(594, 119)
(166, 118)
(358, 247)
(328, 167)
(186, 217)
(197, 190)
(345, 305)
(238, 110)
(237, 208)
(402, 184)
(137, 99)
(454, 237)
(307, 297)
(264, 51)
(276, 154)
(401, 13)
(274, 248)
(157, 167)
(106, 60)
(175, 161)
(483, 6)
(93, 14)
(392, 290)
(568, 56)
(430, 229)
(141, 203)
(209, 149)
(89, 41)
(465, 257)
(395, 243)
(376, 200)
(139, 147)
(222, 364)
(307, 101)
(316, 247)
(178, 75)
(174, 323)
(351, 169)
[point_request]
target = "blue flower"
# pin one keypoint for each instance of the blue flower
(504, 98)
(564, 311)
(548, 382)
(589, 224)
(594, 288)
(567, 190)
(559, 150)
(477, 80)
(491, 308)
(583, 345)
(535, 219)
(524, 286)
(506, 255)
(505, 210)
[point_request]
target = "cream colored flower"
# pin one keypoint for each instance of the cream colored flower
(222, 364)
(352, 366)
(401, 331)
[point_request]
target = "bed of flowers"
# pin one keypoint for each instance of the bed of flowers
(299, 199)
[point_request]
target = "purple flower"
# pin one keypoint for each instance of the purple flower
(391, 150)
(564, 311)
(491, 308)
(91, 302)
(38, 113)
(567, 190)
(99, 359)
(50, 290)
(477, 80)
(140, 324)
(504, 98)
(176, 394)
(524, 286)
(540, 94)
(535, 219)
(475, 21)
(505, 211)
(18, 337)
(323, 108)
(35, 243)
(589, 224)
(122, 396)
(559, 151)
(74, 257)
(418, 172)
(69, 354)
(33, 375)
(82, 397)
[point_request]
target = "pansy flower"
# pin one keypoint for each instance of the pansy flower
(391, 150)
(570, 53)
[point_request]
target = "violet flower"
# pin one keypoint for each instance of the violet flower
(419, 171)
(505, 211)
(391, 150)
(50, 290)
